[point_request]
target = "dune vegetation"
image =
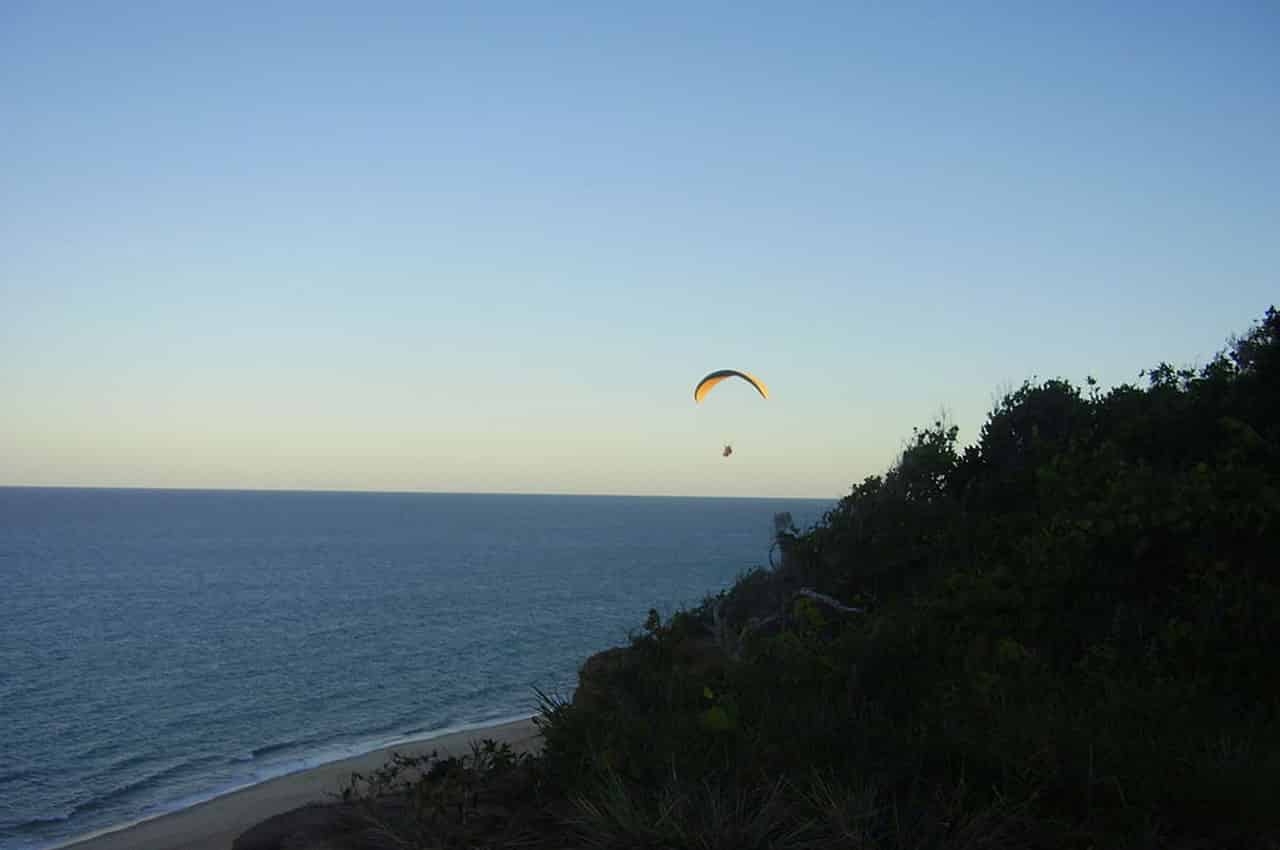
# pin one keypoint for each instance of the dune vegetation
(1063, 636)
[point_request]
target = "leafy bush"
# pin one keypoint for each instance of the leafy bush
(1077, 613)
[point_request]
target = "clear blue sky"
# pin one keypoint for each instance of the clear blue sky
(414, 246)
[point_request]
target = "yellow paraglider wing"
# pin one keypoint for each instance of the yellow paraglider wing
(704, 386)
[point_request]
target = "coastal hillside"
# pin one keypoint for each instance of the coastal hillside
(1060, 636)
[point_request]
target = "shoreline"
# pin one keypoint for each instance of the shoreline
(213, 824)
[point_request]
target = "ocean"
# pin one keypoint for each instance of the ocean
(160, 647)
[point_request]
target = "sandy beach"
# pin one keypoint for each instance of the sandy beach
(215, 824)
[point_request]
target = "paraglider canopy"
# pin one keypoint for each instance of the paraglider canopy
(704, 386)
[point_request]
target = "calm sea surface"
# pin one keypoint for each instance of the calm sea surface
(160, 647)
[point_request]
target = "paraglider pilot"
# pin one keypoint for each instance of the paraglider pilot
(728, 450)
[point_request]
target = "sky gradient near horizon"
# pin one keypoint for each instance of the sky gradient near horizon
(404, 246)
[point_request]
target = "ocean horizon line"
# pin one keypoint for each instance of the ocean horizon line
(108, 488)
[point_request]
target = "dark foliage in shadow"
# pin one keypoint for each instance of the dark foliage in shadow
(1061, 636)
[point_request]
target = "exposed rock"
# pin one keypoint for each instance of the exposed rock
(597, 674)
(700, 656)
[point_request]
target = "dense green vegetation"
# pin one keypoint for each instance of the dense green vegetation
(1065, 635)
